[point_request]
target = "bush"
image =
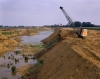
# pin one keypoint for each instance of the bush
(26, 58)
(22, 77)
(16, 52)
(8, 65)
(13, 68)
(41, 61)
(9, 57)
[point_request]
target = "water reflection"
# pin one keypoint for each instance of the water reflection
(16, 59)
(26, 61)
(11, 59)
(13, 73)
(35, 40)
(8, 65)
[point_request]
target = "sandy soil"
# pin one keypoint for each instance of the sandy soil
(72, 57)
(21, 71)
(29, 49)
(7, 42)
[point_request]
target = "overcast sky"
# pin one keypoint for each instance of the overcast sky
(47, 12)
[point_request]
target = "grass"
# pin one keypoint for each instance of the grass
(51, 43)
(4, 78)
(37, 49)
(8, 65)
(40, 62)
(33, 70)
(17, 52)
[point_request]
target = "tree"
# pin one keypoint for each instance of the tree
(1, 26)
(87, 24)
(77, 24)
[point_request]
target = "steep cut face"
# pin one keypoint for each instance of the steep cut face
(72, 58)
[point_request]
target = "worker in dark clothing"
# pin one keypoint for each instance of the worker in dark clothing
(59, 35)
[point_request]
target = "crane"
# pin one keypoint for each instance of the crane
(81, 31)
(70, 21)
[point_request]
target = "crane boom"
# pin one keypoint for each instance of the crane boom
(67, 17)
(70, 22)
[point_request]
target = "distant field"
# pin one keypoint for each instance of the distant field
(91, 28)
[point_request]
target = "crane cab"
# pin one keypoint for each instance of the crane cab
(82, 33)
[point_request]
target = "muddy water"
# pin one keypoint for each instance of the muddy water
(36, 39)
(9, 57)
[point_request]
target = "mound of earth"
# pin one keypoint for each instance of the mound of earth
(2, 37)
(18, 39)
(2, 48)
(64, 33)
(5, 42)
(72, 57)
(12, 42)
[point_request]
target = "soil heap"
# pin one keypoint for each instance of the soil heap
(72, 57)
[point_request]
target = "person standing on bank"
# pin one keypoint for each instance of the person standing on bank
(59, 35)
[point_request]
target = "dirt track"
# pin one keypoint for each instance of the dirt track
(72, 57)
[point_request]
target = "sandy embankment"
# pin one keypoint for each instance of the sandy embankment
(8, 43)
(72, 58)
(21, 71)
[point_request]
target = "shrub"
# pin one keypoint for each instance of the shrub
(9, 57)
(41, 61)
(22, 77)
(26, 58)
(16, 52)
(8, 65)
(13, 68)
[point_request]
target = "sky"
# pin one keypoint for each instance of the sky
(47, 12)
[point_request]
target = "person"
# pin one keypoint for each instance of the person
(78, 32)
(59, 35)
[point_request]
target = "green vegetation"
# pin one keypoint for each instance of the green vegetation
(22, 77)
(17, 52)
(7, 33)
(40, 62)
(13, 68)
(37, 48)
(8, 65)
(4, 78)
(26, 58)
(51, 43)
(16, 60)
(33, 70)
(9, 57)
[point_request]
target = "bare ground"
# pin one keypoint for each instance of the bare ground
(72, 57)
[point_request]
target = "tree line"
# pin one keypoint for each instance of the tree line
(83, 24)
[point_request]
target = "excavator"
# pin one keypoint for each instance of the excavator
(80, 31)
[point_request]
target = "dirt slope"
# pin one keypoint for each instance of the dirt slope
(72, 58)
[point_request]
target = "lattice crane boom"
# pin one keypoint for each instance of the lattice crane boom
(70, 22)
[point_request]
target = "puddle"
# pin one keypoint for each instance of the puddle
(8, 59)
